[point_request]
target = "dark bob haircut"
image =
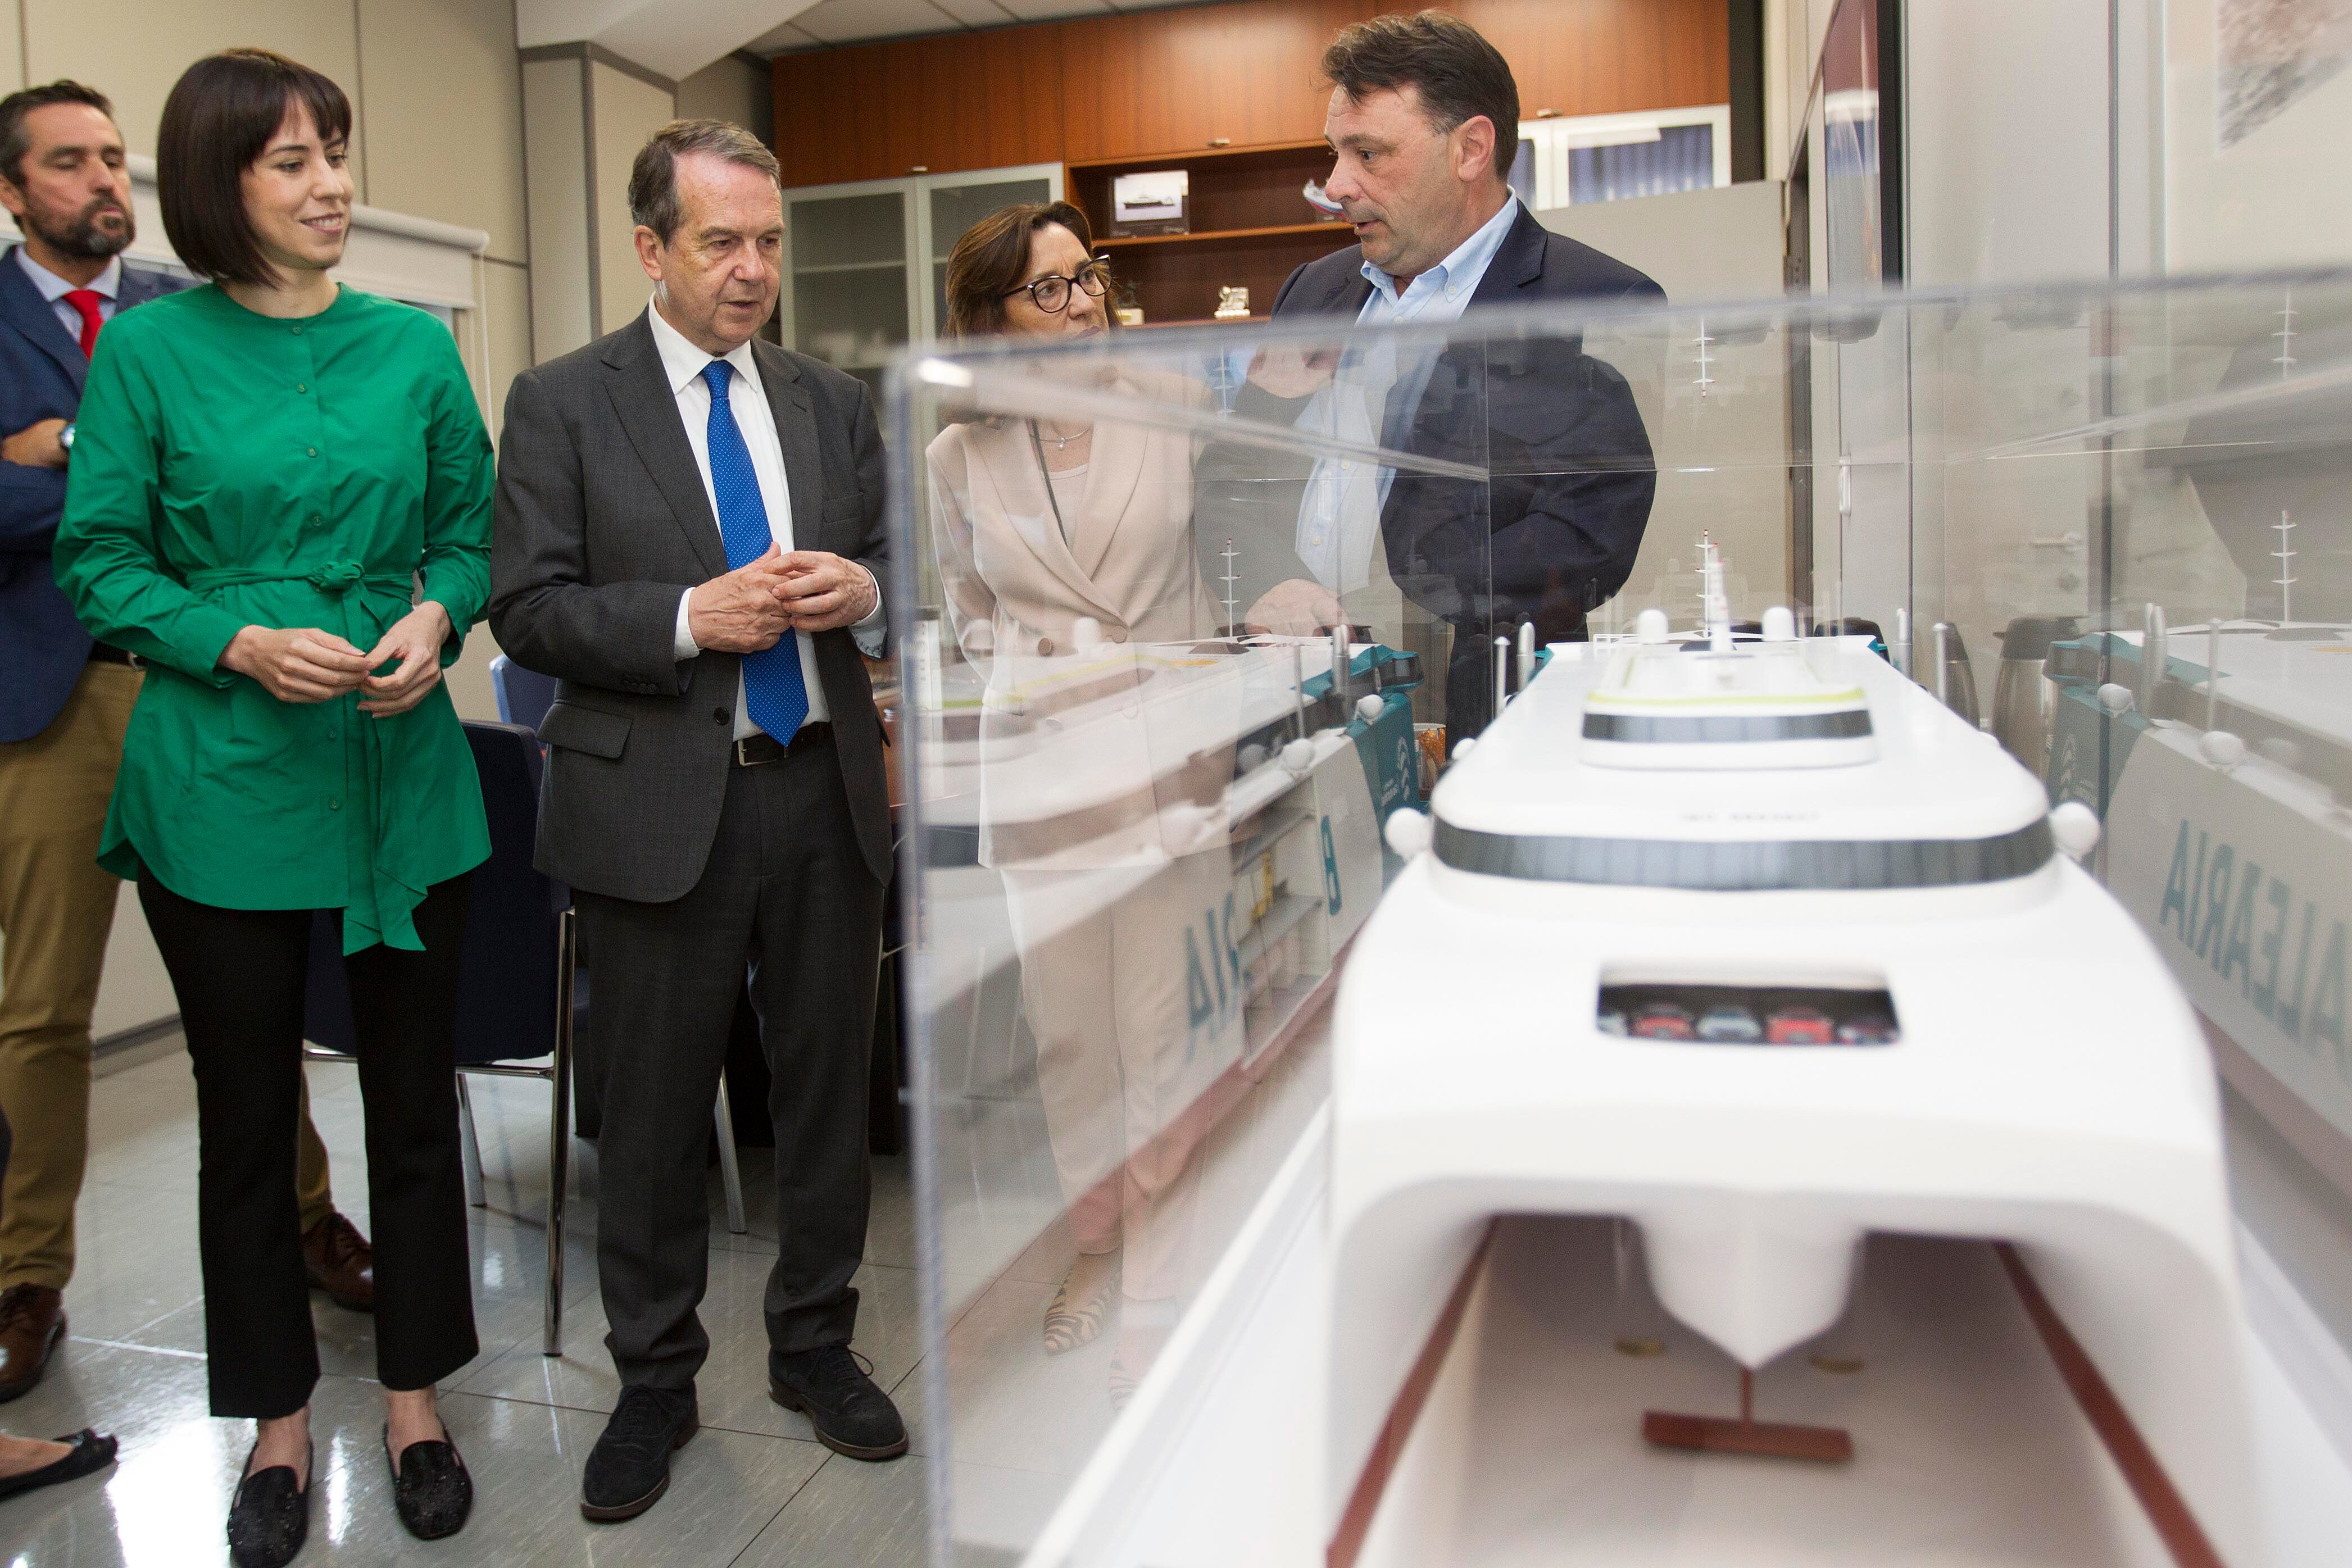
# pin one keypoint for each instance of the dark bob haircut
(991, 260)
(220, 118)
(15, 141)
(1459, 75)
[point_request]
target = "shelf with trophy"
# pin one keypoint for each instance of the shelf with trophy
(1187, 231)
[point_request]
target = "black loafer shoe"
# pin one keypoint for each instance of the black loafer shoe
(850, 1412)
(271, 1518)
(88, 1452)
(430, 1486)
(628, 1469)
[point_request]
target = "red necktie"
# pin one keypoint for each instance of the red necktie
(85, 302)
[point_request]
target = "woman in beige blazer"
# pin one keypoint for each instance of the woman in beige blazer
(1065, 553)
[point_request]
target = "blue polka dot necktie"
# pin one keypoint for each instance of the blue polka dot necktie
(773, 684)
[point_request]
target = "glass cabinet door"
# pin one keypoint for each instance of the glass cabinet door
(951, 204)
(848, 302)
(868, 262)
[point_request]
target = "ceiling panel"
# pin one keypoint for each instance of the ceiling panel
(833, 22)
(977, 13)
(853, 21)
(1045, 10)
(781, 39)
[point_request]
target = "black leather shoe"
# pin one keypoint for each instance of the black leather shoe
(88, 1452)
(430, 1486)
(628, 1469)
(271, 1518)
(850, 1412)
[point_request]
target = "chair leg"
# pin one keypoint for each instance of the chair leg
(470, 1148)
(730, 1175)
(559, 1133)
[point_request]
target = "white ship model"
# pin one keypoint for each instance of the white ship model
(1759, 948)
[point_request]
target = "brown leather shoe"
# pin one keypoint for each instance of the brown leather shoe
(340, 1262)
(32, 1325)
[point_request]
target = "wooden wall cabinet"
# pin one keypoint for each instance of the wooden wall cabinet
(1608, 57)
(1150, 82)
(1247, 74)
(938, 105)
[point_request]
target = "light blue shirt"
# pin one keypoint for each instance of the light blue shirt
(54, 289)
(1339, 516)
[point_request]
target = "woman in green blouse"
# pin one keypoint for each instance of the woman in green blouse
(281, 498)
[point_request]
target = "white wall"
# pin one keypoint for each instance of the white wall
(563, 316)
(739, 89)
(2005, 142)
(624, 110)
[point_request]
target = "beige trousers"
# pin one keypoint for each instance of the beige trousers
(1133, 1022)
(57, 911)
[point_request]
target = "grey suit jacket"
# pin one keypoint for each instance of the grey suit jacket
(602, 522)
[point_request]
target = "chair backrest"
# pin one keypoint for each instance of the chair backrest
(524, 695)
(507, 973)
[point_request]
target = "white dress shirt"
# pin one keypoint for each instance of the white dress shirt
(55, 289)
(1339, 516)
(746, 398)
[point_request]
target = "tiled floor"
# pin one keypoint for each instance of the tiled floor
(754, 1489)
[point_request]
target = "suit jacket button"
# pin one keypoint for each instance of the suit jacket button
(1045, 644)
(718, 713)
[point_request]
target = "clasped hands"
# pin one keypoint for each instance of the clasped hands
(306, 664)
(752, 607)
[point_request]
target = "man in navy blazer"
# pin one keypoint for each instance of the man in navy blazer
(42, 367)
(1422, 124)
(64, 703)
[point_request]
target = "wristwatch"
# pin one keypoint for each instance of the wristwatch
(66, 438)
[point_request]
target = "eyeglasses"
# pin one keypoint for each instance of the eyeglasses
(1051, 293)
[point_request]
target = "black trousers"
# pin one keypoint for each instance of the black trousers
(240, 977)
(786, 893)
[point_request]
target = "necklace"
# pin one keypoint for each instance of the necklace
(1061, 443)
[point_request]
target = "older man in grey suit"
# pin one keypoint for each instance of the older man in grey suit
(689, 535)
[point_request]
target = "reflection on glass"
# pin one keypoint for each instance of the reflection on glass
(1344, 525)
(1152, 788)
(1151, 829)
(1072, 593)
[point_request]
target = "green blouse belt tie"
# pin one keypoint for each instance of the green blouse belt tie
(384, 890)
(334, 579)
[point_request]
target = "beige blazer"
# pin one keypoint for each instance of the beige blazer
(1130, 563)
(1016, 588)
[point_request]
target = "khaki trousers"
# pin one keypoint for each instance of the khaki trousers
(57, 911)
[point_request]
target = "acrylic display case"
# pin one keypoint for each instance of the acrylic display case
(1188, 617)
